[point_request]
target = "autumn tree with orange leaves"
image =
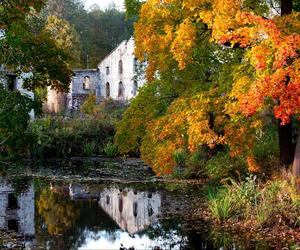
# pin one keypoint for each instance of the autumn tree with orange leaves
(265, 80)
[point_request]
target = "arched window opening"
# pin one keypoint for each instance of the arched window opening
(120, 67)
(11, 82)
(107, 70)
(12, 201)
(121, 90)
(107, 90)
(120, 205)
(135, 64)
(150, 211)
(107, 199)
(134, 88)
(135, 209)
(86, 83)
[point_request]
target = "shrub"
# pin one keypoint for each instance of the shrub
(222, 165)
(89, 148)
(111, 150)
(196, 163)
(180, 157)
(61, 137)
(266, 148)
(14, 120)
(109, 110)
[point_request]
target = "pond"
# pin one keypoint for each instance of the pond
(73, 215)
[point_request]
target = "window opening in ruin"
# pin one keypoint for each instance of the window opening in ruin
(135, 209)
(150, 211)
(107, 199)
(107, 70)
(13, 225)
(12, 201)
(86, 83)
(11, 82)
(120, 67)
(120, 205)
(121, 90)
(135, 88)
(135, 64)
(107, 90)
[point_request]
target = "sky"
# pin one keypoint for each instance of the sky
(104, 3)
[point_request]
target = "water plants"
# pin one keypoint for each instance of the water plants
(110, 149)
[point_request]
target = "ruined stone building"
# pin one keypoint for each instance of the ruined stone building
(119, 73)
(117, 77)
(17, 212)
(84, 82)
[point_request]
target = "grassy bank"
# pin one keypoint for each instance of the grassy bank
(260, 209)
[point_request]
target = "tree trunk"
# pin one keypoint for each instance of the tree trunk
(286, 151)
(296, 163)
(286, 7)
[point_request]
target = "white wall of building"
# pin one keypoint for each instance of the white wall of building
(110, 73)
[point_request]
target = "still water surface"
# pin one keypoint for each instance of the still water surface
(100, 216)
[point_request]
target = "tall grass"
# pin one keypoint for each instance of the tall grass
(221, 204)
(110, 150)
(89, 148)
(251, 200)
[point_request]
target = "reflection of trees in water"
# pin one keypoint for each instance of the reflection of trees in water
(219, 238)
(90, 221)
(168, 233)
(58, 212)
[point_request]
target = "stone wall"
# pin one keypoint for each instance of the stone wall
(56, 101)
(83, 83)
(118, 73)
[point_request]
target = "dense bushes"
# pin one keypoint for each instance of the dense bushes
(64, 137)
(108, 110)
(14, 120)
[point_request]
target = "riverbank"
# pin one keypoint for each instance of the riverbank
(190, 200)
(268, 211)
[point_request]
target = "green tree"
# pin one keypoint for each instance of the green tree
(14, 117)
(25, 49)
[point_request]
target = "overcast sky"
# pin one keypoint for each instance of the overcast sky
(104, 3)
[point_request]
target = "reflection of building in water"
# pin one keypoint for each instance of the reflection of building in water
(78, 192)
(17, 212)
(132, 211)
